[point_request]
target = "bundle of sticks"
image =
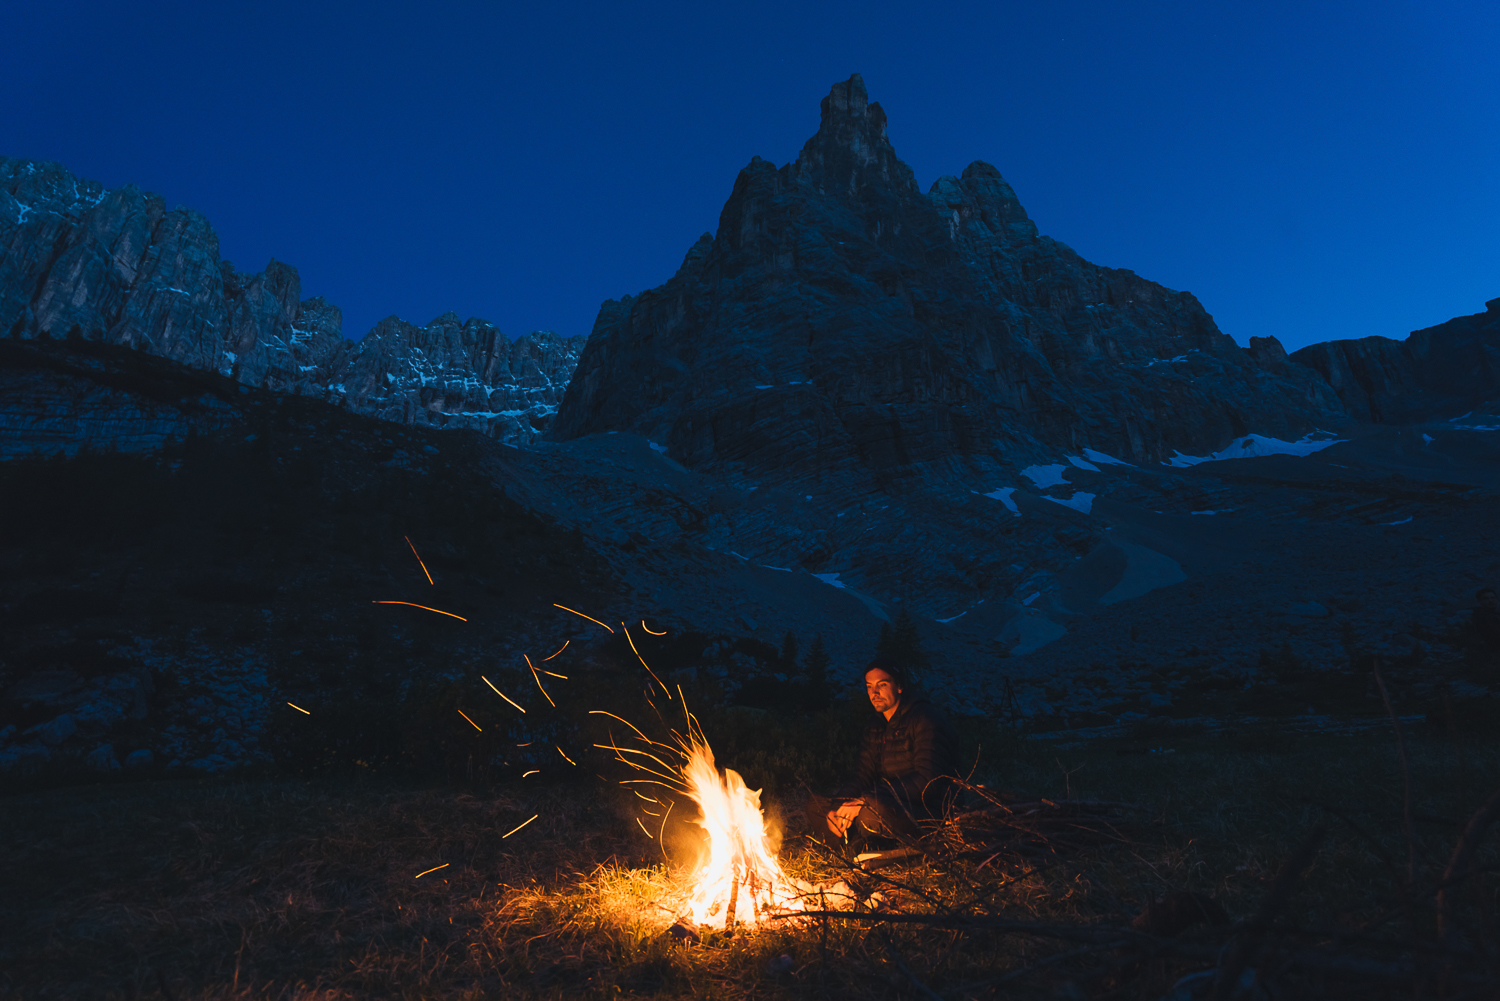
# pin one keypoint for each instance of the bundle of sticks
(1028, 829)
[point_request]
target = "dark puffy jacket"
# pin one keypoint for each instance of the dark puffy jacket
(905, 753)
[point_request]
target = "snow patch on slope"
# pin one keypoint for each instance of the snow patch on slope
(1253, 445)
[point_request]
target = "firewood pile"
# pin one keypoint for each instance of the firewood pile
(1009, 828)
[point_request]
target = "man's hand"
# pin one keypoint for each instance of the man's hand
(840, 819)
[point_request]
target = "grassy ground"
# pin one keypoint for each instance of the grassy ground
(301, 889)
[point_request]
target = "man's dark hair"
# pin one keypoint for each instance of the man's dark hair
(898, 673)
(1479, 594)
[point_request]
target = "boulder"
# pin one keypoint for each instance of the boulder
(139, 759)
(102, 759)
(55, 731)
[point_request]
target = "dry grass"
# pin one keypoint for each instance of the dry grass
(282, 889)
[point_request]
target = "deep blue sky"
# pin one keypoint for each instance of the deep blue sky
(1310, 170)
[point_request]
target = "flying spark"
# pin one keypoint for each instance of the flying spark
(538, 680)
(601, 712)
(643, 828)
(515, 829)
(532, 772)
(566, 758)
(471, 722)
(415, 605)
(559, 649)
(299, 709)
(419, 559)
(498, 692)
(433, 869)
(580, 614)
(643, 661)
(653, 632)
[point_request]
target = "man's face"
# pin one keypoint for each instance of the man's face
(884, 695)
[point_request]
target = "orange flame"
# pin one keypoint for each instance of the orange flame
(741, 871)
(739, 880)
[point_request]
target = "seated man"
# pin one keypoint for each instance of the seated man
(903, 766)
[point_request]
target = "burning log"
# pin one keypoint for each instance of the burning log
(734, 898)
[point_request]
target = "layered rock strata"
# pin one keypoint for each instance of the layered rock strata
(77, 260)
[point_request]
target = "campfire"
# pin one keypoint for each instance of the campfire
(738, 879)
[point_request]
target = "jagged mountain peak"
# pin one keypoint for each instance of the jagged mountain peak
(850, 150)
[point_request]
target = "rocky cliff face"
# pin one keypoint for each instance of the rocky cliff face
(116, 266)
(843, 329)
(1437, 372)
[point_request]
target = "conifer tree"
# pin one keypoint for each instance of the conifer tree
(900, 642)
(818, 662)
(789, 652)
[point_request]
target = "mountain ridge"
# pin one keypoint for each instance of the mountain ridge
(117, 266)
